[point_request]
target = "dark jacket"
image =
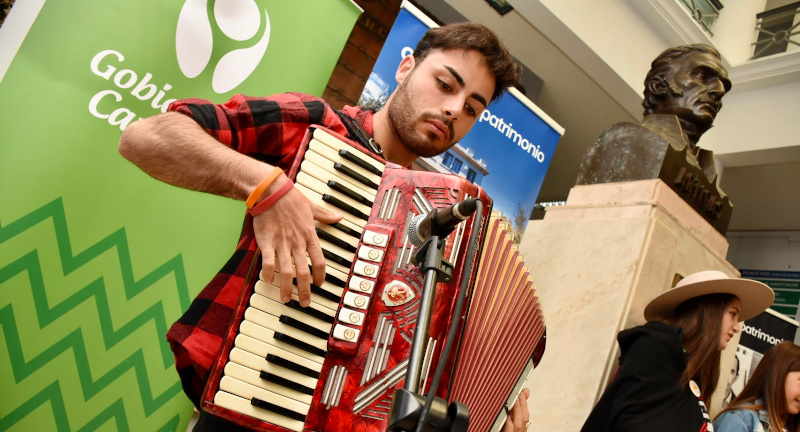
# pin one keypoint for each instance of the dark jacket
(646, 393)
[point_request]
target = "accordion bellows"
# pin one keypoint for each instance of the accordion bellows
(334, 366)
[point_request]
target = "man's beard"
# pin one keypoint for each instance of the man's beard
(402, 118)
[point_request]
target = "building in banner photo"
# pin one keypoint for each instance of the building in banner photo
(458, 160)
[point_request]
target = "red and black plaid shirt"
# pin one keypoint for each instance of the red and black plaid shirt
(269, 129)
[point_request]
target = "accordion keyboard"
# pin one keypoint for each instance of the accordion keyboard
(276, 358)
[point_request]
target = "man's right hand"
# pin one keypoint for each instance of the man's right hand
(285, 233)
(174, 149)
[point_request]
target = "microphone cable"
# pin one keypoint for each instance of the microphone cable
(451, 335)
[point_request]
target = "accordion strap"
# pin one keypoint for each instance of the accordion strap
(357, 132)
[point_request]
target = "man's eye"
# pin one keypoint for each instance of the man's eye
(471, 111)
(443, 85)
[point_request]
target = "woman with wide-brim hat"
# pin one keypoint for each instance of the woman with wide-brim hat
(670, 366)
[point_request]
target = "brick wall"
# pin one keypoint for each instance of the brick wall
(361, 52)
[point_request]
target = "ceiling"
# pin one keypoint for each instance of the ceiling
(764, 196)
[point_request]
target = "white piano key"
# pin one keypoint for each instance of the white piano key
(321, 187)
(333, 156)
(337, 145)
(264, 349)
(353, 241)
(278, 309)
(314, 197)
(237, 395)
(235, 369)
(271, 322)
(273, 291)
(261, 333)
(317, 178)
(328, 173)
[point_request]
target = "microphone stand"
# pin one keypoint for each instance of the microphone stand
(407, 405)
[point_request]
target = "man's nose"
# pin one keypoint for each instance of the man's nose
(716, 89)
(452, 108)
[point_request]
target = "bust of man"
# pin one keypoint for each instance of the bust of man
(683, 94)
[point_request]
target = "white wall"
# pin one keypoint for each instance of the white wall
(734, 30)
(755, 120)
(778, 250)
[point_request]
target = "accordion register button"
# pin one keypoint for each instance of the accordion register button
(366, 269)
(350, 316)
(360, 284)
(345, 333)
(375, 239)
(370, 254)
(356, 300)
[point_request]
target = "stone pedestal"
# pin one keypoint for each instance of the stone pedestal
(597, 261)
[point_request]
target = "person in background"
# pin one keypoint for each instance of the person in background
(770, 400)
(670, 366)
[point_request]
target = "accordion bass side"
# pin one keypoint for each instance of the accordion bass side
(334, 366)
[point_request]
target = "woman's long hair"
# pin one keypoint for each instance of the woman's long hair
(768, 383)
(701, 321)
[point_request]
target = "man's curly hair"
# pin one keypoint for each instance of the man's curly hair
(473, 36)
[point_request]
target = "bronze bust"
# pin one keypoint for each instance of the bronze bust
(683, 94)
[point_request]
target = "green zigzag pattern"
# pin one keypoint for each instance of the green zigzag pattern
(53, 394)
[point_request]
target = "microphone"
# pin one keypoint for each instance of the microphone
(439, 222)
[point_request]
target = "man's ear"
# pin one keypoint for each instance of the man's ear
(658, 86)
(406, 66)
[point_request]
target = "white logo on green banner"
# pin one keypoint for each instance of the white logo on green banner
(239, 20)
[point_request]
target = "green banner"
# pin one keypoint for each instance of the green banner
(96, 258)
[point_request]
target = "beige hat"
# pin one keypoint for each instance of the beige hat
(755, 296)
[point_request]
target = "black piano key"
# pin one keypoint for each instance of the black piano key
(348, 154)
(333, 184)
(336, 281)
(355, 176)
(347, 230)
(336, 258)
(310, 311)
(322, 292)
(299, 344)
(288, 364)
(256, 402)
(283, 382)
(303, 327)
(341, 205)
(332, 239)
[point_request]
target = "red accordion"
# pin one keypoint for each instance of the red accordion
(334, 365)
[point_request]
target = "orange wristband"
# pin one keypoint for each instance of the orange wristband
(271, 199)
(262, 186)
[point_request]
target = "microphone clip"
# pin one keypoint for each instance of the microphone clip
(434, 260)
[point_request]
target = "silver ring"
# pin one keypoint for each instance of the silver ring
(527, 424)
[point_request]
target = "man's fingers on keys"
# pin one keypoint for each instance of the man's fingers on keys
(285, 266)
(325, 216)
(317, 261)
(303, 280)
(268, 264)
